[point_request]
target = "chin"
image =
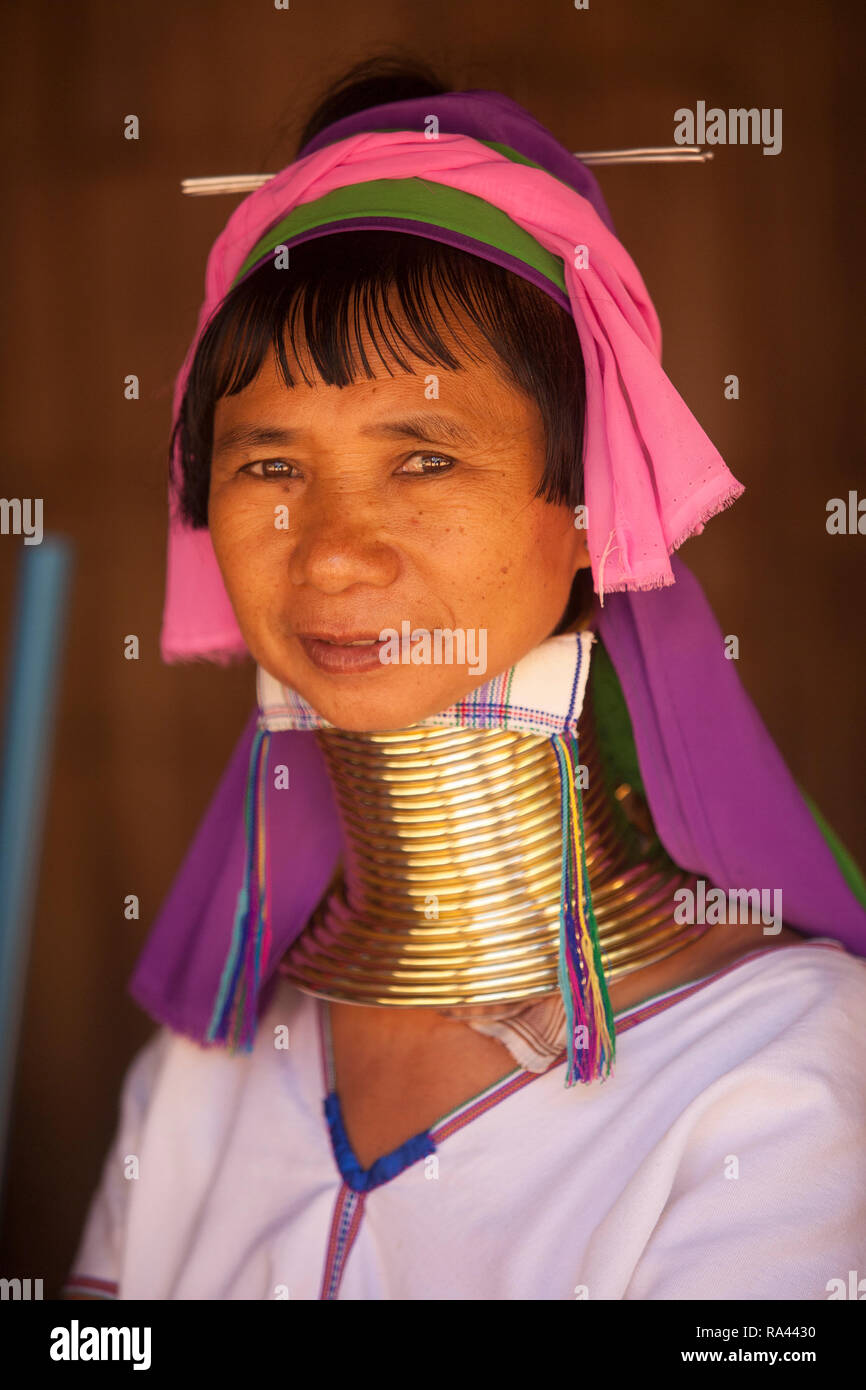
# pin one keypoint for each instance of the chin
(364, 713)
(367, 710)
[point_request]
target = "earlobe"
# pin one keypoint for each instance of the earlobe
(582, 558)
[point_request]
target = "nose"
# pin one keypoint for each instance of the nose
(339, 542)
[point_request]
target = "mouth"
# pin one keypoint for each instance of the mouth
(343, 653)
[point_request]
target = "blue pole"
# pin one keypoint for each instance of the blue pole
(31, 705)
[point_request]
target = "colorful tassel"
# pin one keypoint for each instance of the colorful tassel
(234, 1014)
(590, 1030)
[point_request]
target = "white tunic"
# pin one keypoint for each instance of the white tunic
(723, 1159)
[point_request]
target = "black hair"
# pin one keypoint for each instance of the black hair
(344, 280)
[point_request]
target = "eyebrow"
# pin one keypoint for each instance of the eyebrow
(428, 429)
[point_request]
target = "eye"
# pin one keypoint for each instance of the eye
(442, 465)
(281, 464)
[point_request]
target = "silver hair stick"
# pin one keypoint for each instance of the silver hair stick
(658, 154)
(652, 154)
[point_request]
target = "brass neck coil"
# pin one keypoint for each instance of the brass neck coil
(448, 894)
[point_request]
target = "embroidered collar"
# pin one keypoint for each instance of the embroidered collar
(542, 693)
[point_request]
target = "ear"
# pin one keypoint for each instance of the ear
(582, 560)
(581, 599)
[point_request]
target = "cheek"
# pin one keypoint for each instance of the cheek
(245, 540)
(542, 549)
(237, 516)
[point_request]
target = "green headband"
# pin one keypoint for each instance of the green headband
(417, 200)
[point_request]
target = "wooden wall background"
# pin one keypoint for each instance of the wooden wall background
(753, 264)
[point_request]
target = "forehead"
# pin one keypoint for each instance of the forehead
(478, 390)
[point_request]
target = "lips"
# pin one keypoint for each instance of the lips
(342, 653)
(341, 639)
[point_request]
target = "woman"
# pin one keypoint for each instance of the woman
(506, 1006)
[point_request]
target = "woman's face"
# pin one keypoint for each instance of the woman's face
(407, 499)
